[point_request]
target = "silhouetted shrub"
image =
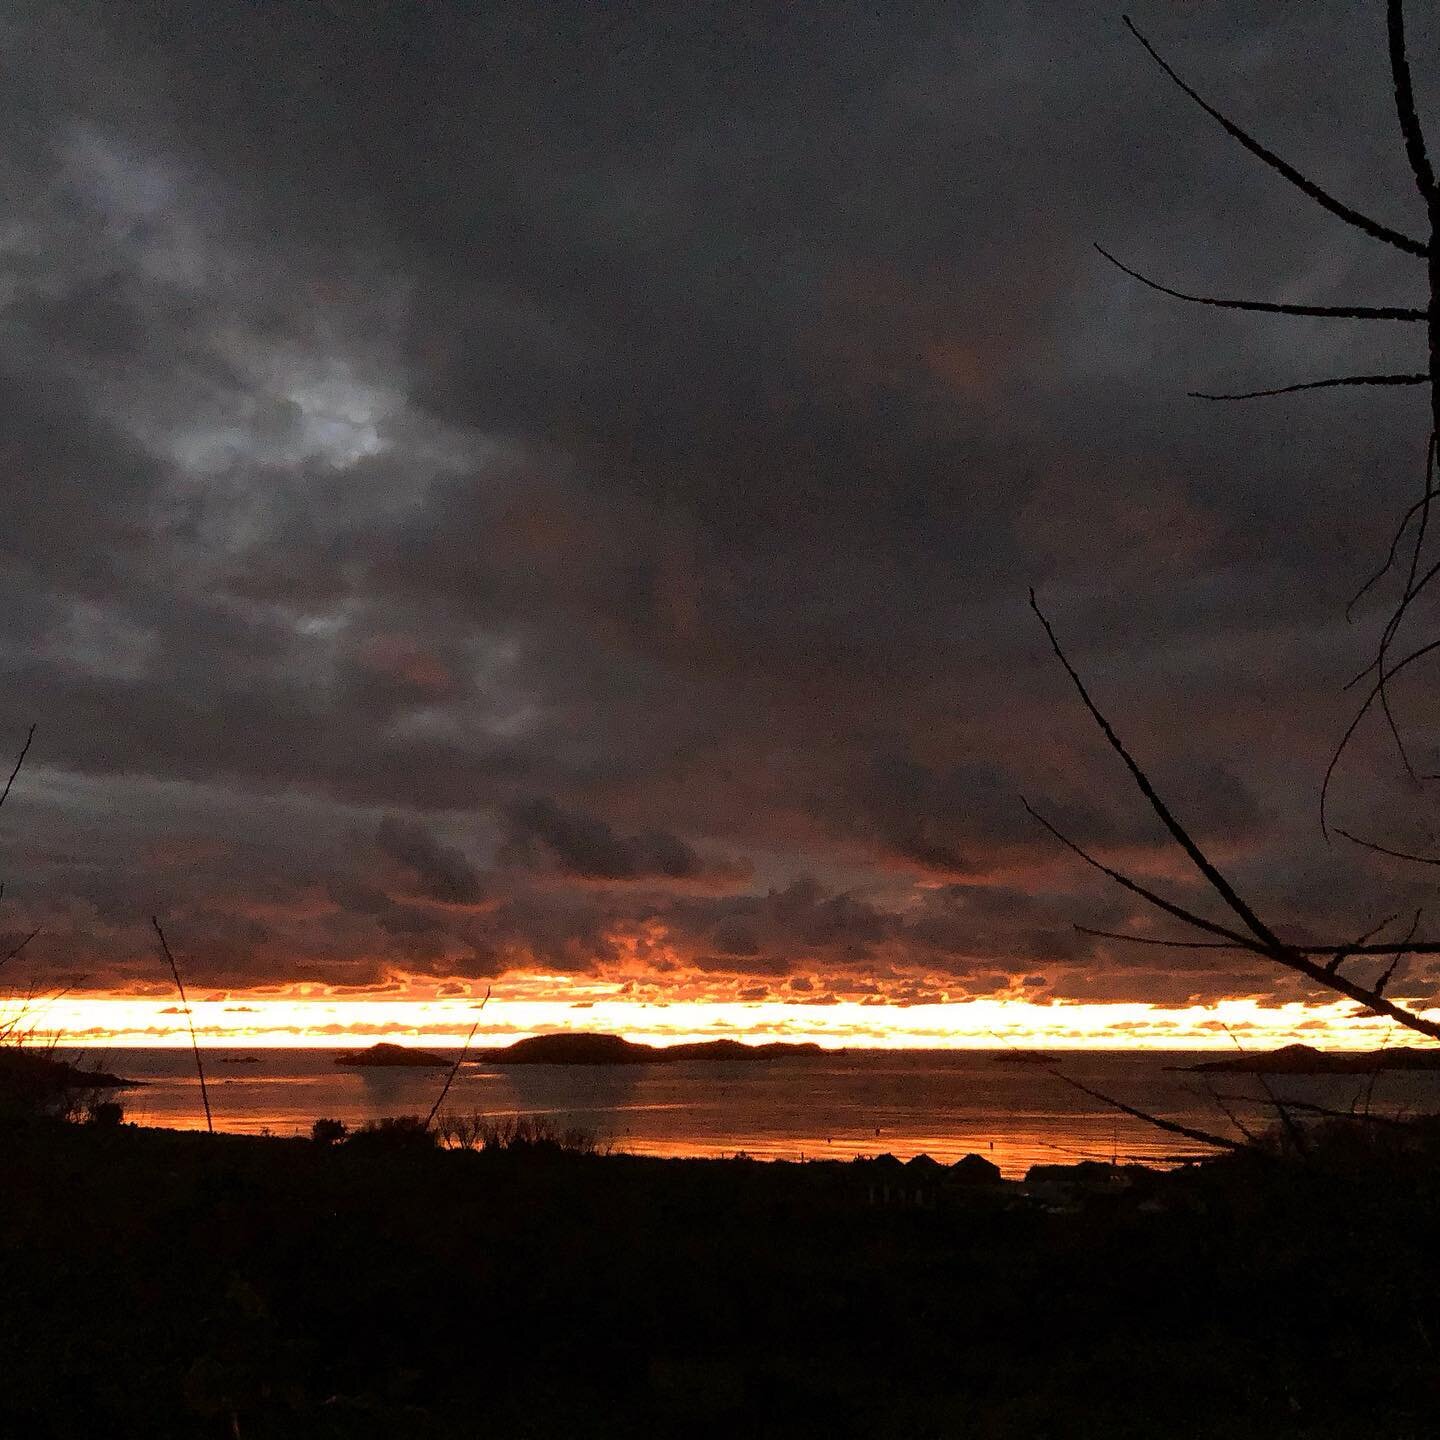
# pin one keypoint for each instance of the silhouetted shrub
(394, 1132)
(516, 1132)
(328, 1132)
(105, 1114)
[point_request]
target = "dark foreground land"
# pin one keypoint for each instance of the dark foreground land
(175, 1284)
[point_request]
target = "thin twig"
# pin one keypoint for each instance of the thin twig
(1412, 590)
(1398, 956)
(1198, 858)
(1313, 385)
(455, 1069)
(1386, 849)
(190, 1020)
(20, 760)
(1205, 1137)
(1228, 1113)
(1385, 677)
(1287, 1120)
(1307, 187)
(1384, 570)
(1159, 942)
(1271, 307)
(1159, 901)
(1345, 952)
(11, 954)
(1340, 952)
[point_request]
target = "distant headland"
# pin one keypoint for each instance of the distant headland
(1306, 1060)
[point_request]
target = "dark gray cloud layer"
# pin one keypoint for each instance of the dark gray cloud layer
(556, 487)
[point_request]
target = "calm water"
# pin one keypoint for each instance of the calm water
(940, 1103)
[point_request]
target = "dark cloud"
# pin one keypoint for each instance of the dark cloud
(541, 834)
(442, 870)
(661, 411)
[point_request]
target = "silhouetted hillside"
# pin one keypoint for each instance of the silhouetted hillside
(1306, 1060)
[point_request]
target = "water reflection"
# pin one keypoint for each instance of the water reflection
(944, 1104)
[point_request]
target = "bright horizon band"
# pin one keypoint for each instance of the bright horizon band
(317, 1020)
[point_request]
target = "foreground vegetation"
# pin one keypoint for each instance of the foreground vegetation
(180, 1284)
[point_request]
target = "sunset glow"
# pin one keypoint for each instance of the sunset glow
(979, 1024)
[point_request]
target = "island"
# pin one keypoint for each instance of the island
(595, 1049)
(385, 1055)
(1306, 1060)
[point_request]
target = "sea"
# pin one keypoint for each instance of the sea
(945, 1104)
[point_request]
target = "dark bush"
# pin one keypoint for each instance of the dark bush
(394, 1132)
(328, 1132)
(516, 1132)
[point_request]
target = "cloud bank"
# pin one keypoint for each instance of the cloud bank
(531, 490)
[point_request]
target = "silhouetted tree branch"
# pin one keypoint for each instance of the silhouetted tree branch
(1423, 174)
(1190, 1132)
(455, 1068)
(189, 1020)
(5, 795)
(1262, 939)
(1270, 307)
(1307, 187)
(19, 761)
(1405, 106)
(1386, 849)
(1330, 384)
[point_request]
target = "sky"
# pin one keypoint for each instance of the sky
(544, 498)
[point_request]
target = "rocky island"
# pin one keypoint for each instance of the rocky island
(384, 1054)
(592, 1049)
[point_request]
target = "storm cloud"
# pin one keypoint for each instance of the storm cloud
(527, 488)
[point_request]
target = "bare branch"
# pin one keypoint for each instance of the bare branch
(455, 1068)
(1236, 940)
(1387, 850)
(1346, 951)
(1204, 1137)
(190, 1020)
(1324, 1112)
(1405, 106)
(1313, 385)
(1266, 942)
(1287, 1120)
(1421, 504)
(1338, 312)
(1339, 952)
(1399, 955)
(10, 955)
(20, 760)
(1228, 1113)
(1308, 187)
(1412, 590)
(1160, 943)
(1385, 677)
(1216, 880)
